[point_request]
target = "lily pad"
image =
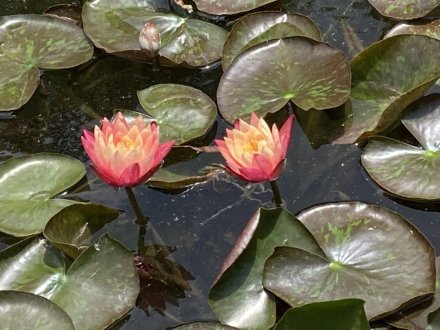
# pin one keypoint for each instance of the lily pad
(404, 9)
(229, 7)
(434, 320)
(405, 170)
(237, 296)
(259, 27)
(387, 77)
(203, 326)
(72, 228)
(115, 28)
(347, 314)
(265, 77)
(371, 253)
(429, 28)
(28, 42)
(183, 113)
(100, 286)
(19, 310)
(27, 185)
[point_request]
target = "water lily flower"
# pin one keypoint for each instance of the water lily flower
(253, 151)
(125, 154)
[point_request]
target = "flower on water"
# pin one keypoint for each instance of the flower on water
(125, 154)
(253, 151)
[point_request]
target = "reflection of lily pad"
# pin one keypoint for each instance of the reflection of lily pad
(100, 286)
(115, 26)
(267, 76)
(166, 179)
(371, 253)
(20, 311)
(404, 9)
(228, 7)
(405, 170)
(28, 42)
(347, 314)
(387, 77)
(259, 27)
(238, 297)
(428, 28)
(27, 187)
(72, 228)
(182, 112)
(203, 326)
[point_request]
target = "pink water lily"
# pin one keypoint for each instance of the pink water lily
(125, 154)
(253, 151)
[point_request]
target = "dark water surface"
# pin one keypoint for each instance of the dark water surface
(204, 221)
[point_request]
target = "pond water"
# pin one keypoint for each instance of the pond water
(202, 222)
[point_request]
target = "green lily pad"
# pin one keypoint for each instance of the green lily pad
(405, 170)
(255, 28)
(20, 311)
(229, 7)
(204, 326)
(387, 77)
(183, 113)
(237, 296)
(429, 28)
(27, 185)
(347, 314)
(166, 179)
(115, 28)
(100, 286)
(371, 253)
(72, 228)
(265, 77)
(17, 83)
(29, 42)
(404, 9)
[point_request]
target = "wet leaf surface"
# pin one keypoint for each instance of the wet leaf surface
(115, 27)
(265, 77)
(404, 9)
(387, 77)
(100, 286)
(256, 28)
(371, 253)
(429, 28)
(237, 296)
(20, 310)
(345, 314)
(228, 7)
(183, 113)
(72, 229)
(406, 170)
(27, 187)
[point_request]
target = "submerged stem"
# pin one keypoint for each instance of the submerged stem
(141, 220)
(276, 194)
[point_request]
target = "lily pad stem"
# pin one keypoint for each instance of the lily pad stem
(142, 221)
(276, 194)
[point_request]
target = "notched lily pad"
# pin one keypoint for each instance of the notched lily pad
(27, 187)
(259, 27)
(19, 310)
(183, 113)
(265, 77)
(405, 170)
(347, 314)
(237, 296)
(387, 77)
(371, 253)
(427, 28)
(229, 7)
(115, 28)
(404, 9)
(29, 42)
(100, 286)
(72, 228)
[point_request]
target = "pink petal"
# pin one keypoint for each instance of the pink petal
(130, 176)
(277, 171)
(161, 152)
(263, 164)
(285, 132)
(252, 174)
(254, 119)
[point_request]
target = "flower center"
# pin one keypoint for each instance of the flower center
(251, 144)
(128, 143)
